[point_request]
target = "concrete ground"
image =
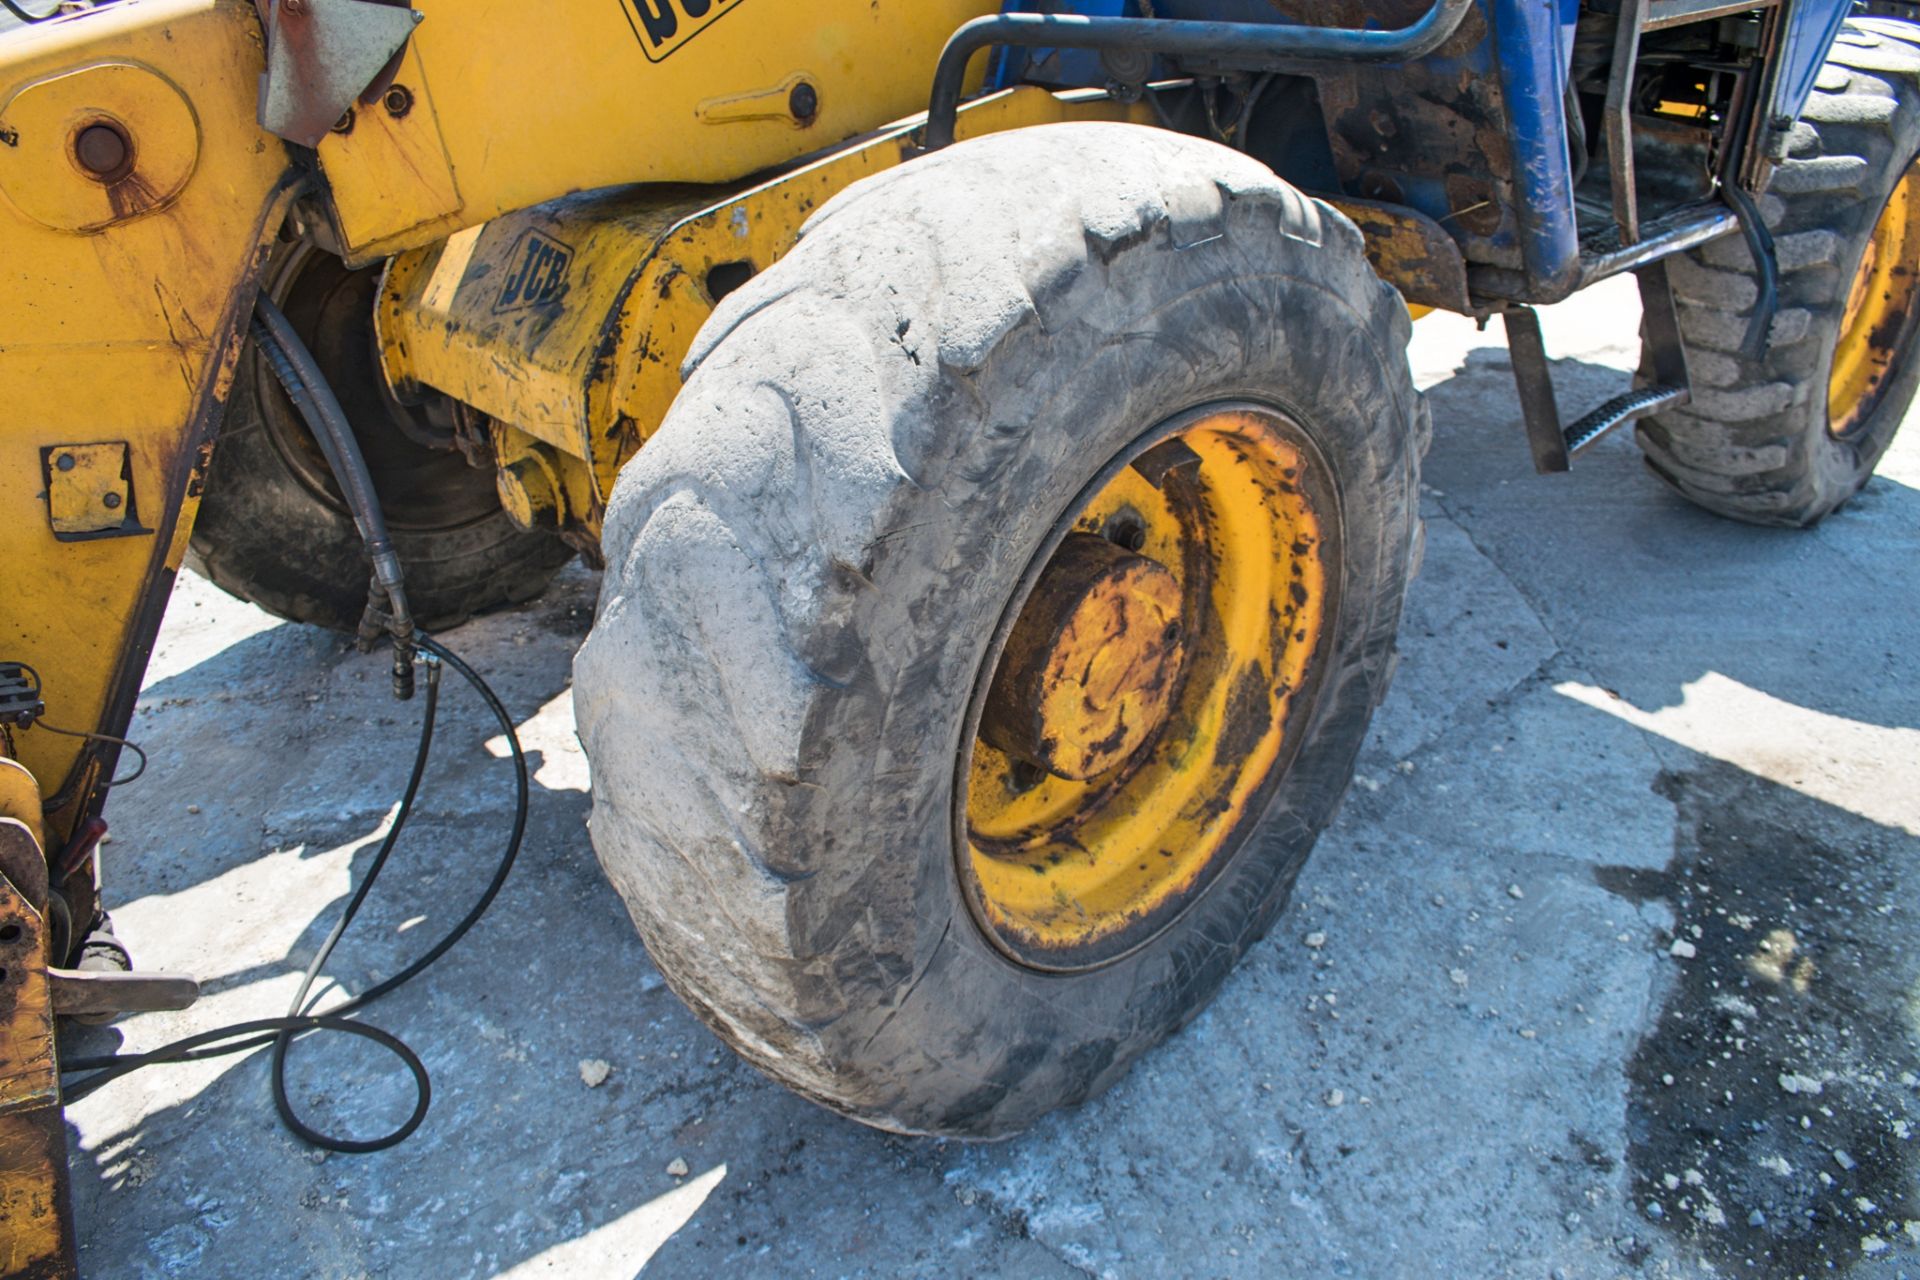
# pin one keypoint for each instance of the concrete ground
(1608, 967)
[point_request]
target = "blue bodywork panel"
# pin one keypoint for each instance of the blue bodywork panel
(1473, 136)
(1811, 27)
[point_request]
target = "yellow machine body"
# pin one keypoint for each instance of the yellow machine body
(566, 323)
(509, 104)
(136, 286)
(120, 325)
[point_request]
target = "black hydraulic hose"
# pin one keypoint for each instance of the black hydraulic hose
(1246, 44)
(300, 1019)
(305, 384)
(1766, 305)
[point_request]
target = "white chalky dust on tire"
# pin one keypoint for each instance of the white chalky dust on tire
(807, 560)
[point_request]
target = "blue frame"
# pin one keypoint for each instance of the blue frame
(1527, 52)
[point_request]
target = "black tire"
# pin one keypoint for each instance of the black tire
(1755, 444)
(274, 530)
(809, 560)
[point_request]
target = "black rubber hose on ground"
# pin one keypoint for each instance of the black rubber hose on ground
(301, 1020)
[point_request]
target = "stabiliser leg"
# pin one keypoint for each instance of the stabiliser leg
(36, 1204)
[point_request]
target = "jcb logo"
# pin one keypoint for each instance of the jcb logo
(664, 25)
(537, 272)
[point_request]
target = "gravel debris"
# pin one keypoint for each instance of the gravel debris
(677, 1167)
(1336, 1097)
(594, 1072)
(1457, 976)
(1794, 1082)
(1514, 891)
(1316, 940)
(1683, 949)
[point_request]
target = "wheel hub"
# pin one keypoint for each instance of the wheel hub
(1090, 667)
(1150, 686)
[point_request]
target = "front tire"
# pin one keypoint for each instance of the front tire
(815, 568)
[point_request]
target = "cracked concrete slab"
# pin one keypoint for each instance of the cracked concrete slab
(1622, 731)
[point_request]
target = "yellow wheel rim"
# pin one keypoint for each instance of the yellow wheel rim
(1135, 710)
(1880, 317)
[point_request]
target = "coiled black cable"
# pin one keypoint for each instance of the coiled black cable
(301, 1020)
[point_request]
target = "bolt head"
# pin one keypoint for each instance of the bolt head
(104, 151)
(804, 102)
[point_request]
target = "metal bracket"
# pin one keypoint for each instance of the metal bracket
(90, 491)
(1538, 408)
(321, 55)
(102, 994)
(1618, 118)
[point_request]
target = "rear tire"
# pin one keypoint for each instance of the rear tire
(273, 528)
(808, 564)
(1758, 442)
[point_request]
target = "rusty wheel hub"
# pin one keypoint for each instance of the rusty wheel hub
(1150, 686)
(1090, 668)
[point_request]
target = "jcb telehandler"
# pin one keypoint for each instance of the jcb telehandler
(1005, 510)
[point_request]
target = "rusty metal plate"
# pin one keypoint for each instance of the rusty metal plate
(320, 55)
(1412, 252)
(89, 490)
(35, 1206)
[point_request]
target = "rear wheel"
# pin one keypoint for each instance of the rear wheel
(990, 628)
(273, 527)
(1789, 438)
